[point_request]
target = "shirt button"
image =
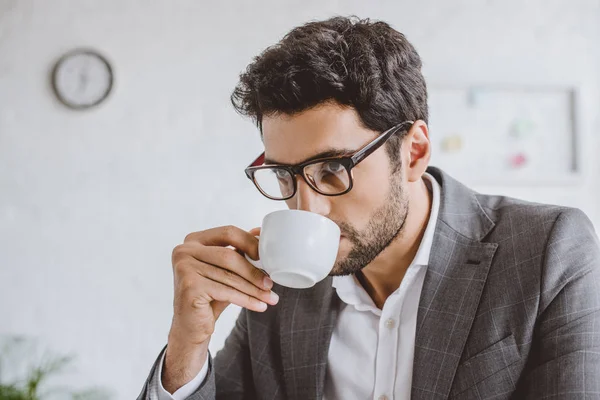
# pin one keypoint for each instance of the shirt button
(383, 397)
(390, 323)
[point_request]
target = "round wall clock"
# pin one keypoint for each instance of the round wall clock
(82, 79)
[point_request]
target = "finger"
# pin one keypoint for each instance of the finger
(222, 257)
(227, 236)
(256, 233)
(220, 292)
(235, 281)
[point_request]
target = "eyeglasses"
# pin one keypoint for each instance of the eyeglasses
(331, 176)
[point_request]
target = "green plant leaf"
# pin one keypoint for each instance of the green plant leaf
(34, 385)
(92, 394)
(11, 392)
(50, 365)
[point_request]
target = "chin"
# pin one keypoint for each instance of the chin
(343, 252)
(336, 271)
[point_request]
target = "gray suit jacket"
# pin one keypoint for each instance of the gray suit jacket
(510, 308)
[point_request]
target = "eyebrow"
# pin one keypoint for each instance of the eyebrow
(325, 154)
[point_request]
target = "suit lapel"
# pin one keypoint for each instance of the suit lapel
(453, 284)
(456, 275)
(307, 321)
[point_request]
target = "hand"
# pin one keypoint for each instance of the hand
(208, 276)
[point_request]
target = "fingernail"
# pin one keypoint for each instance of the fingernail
(262, 306)
(267, 283)
(274, 298)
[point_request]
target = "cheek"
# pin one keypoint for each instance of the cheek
(370, 192)
(356, 209)
(372, 177)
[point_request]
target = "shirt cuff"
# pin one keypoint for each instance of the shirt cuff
(186, 390)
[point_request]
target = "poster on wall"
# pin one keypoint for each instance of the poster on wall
(504, 135)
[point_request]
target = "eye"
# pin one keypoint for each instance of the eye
(281, 174)
(333, 167)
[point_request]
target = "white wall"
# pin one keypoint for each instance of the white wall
(91, 203)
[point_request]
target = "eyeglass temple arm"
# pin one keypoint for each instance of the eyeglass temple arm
(374, 145)
(358, 157)
(259, 161)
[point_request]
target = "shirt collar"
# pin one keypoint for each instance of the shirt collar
(424, 251)
(351, 292)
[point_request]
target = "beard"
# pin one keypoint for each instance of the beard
(386, 223)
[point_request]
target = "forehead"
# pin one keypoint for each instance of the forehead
(292, 139)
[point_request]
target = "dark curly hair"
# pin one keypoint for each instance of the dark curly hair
(354, 62)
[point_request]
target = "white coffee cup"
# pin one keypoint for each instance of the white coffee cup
(297, 248)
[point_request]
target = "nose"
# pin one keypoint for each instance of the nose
(307, 199)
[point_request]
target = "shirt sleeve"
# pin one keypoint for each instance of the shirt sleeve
(186, 390)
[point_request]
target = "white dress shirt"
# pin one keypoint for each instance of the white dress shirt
(186, 390)
(371, 351)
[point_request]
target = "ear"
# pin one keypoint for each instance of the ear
(417, 151)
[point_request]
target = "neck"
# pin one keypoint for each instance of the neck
(385, 273)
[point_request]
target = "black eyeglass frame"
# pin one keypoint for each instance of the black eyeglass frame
(349, 162)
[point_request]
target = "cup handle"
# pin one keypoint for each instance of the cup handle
(257, 263)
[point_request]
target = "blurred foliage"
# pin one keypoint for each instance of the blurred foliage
(19, 355)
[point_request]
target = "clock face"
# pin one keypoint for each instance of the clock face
(82, 79)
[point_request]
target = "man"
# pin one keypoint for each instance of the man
(437, 291)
